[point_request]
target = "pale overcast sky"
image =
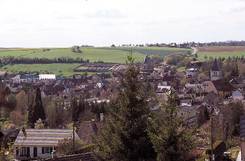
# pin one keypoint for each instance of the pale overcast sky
(56, 23)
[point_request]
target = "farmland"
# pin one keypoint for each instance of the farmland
(161, 51)
(91, 54)
(112, 55)
(65, 70)
(221, 52)
(108, 55)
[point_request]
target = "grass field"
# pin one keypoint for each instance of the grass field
(110, 55)
(58, 69)
(92, 54)
(224, 52)
(161, 51)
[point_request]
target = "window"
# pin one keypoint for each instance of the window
(24, 151)
(47, 150)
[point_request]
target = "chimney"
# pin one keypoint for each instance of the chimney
(24, 131)
(101, 116)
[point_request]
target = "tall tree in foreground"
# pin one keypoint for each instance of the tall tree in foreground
(172, 139)
(36, 110)
(125, 136)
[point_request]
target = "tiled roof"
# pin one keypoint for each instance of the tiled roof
(40, 137)
(221, 85)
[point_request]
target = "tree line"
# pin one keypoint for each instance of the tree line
(16, 60)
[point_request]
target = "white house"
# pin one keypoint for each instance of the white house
(191, 72)
(163, 88)
(39, 143)
(237, 95)
(47, 77)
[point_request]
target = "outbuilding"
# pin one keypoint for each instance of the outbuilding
(39, 143)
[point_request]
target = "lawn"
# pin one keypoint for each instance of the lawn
(58, 69)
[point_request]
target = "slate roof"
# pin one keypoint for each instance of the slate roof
(215, 66)
(42, 137)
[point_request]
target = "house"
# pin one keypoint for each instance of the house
(24, 78)
(191, 72)
(193, 116)
(223, 88)
(209, 87)
(2, 74)
(47, 77)
(237, 95)
(238, 82)
(163, 89)
(215, 72)
(39, 143)
(211, 99)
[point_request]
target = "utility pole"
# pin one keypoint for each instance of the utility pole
(73, 136)
(73, 104)
(212, 157)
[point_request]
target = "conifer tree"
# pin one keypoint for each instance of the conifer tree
(172, 138)
(125, 136)
(36, 110)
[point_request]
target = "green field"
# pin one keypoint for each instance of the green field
(110, 55)
(58, 69)
(91, 54)
(161, 51)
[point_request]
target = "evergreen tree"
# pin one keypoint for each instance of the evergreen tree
(36, 110)
(171, 138)
(125, 136)
(75, 109)
(235, 70)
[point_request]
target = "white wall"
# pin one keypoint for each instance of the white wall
(39, 152)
